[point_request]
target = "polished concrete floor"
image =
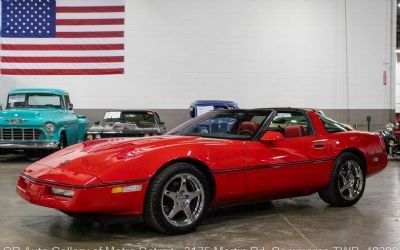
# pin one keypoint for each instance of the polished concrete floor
(300, 223)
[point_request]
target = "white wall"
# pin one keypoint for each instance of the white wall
(398, 88)
(259, 53)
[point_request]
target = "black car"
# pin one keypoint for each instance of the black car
(127, 123)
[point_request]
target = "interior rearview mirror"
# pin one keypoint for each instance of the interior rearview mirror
(272, 136)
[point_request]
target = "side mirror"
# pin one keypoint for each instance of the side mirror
(272, 136)
(97, 123)
(1, 106)
(162, 122)
(70, 106)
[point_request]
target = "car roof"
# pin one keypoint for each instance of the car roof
(131, 110)
(38, 90)
(212, 102)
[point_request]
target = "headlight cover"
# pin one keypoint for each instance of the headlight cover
(89, 137)
(62, 192)
(98, 136)
(50, 127)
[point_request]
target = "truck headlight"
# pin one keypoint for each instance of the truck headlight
(98, 136)
(50, 127)
(89, 137)
(62, 192)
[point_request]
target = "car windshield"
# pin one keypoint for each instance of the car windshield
(34, 100)
(141, 119)
(230, 124)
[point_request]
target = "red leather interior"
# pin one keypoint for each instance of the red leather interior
(294, 131)
(248, 128)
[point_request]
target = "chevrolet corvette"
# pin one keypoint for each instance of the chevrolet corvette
(221, 158)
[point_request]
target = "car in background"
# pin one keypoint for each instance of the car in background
(170, 181)
(203, 106)
(40, 119)
(127, 123)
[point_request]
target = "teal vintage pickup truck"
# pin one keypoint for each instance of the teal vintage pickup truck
(40, 119)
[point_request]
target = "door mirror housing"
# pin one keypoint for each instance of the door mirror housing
(70, 106)
(272, 136)
(162, 122)
(97, 123)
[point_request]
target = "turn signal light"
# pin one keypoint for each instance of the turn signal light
(126, 189)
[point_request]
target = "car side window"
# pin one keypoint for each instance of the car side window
(291, 124)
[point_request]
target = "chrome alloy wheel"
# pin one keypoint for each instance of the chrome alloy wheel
(182, 200)
(351, 180)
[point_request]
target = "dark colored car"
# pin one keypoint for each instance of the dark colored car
(127, 123)
(200, 107)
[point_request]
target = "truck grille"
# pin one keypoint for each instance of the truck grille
(19, 134)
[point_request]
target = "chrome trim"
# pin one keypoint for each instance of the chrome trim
(29, 145)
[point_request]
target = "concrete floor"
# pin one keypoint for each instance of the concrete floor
(304, 222)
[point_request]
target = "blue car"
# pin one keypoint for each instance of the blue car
(40, 119)
(200, 107)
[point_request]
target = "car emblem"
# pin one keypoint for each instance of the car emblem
(16, 121)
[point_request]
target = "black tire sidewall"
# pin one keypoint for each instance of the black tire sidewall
(156, 189)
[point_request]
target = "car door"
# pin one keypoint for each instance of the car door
(297, 165)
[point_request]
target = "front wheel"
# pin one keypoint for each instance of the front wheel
(177, 199)
(347, 182)
(62, 142)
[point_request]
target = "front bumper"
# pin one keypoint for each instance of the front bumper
(28, 145)
(86, 199)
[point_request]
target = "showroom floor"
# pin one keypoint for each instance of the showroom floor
(291, 223)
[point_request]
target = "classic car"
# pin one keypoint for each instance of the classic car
(203, 106)
(171, 180)
(40, 119)
(127, 123)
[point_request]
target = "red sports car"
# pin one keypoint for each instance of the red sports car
(221, 158)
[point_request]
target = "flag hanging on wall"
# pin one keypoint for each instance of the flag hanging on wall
(63, 37)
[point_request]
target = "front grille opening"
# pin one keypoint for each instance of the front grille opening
(20, 134)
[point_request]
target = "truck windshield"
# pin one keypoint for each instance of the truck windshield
(34, 100)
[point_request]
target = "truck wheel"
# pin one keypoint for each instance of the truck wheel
(62, 141)
(177, 199)
(347, 182)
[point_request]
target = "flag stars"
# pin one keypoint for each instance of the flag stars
(29, 18)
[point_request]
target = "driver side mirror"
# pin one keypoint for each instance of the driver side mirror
(272, 136)
(97, 123)
(162, 122)
(1, 106)
(70, 106)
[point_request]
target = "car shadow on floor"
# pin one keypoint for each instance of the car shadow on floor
(99, 229)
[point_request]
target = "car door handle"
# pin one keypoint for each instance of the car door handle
(319, 145)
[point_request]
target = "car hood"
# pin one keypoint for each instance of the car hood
(83, 162)
(31, 115)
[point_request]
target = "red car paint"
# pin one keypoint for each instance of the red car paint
(243, 170)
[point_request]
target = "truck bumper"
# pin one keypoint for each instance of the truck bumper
(28, 145)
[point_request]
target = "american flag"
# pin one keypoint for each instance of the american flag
(63, 37)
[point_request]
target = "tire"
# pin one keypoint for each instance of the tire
(62, 141)
(347, 182)
(177, 199)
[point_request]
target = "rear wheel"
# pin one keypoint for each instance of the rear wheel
(177, 199)
(347, 182)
